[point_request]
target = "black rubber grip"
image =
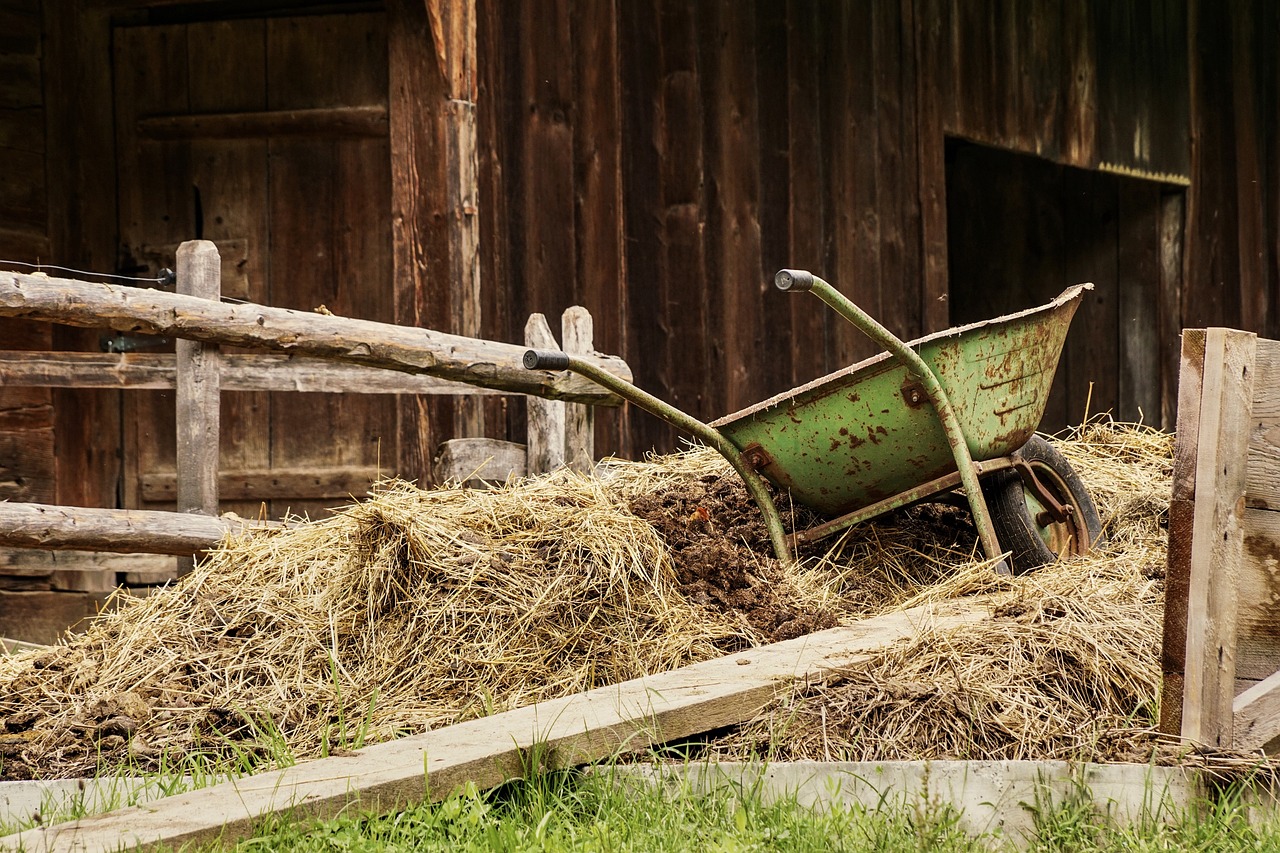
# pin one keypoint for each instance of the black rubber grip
(540, 359)
(793, 280)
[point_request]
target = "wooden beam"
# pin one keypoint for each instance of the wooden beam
(328, 123)
(272, 484)
(488, 364)
(240, 372)
(1221, 450)
(124, 531)
(573, 730)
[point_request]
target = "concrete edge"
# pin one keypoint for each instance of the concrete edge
(26, 803)
(999, 799)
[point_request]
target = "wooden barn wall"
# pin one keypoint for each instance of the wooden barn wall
(657, 161)
(1233, 218)
(27, 468)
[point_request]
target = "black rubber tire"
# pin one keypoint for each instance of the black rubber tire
(1014, 509)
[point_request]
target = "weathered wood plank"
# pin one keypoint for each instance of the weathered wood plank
(478, 462)
(420, 249)
(197, 398)
(85, 571)
(485, 363)
(1263, 480)
(228, 63)
(327, 122)
(546, 418)
(1173, 647)
(83, 226)
(1258, 619)
(317, 483)
(577, 729)
(1217, 536)
(578, 334)
(42, 617)
(240, 372)
(31, 525)
(1138, 302)
(1256, 715)
(598, 182)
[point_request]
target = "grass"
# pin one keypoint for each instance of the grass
(569, 811)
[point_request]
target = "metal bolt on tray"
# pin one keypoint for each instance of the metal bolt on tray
(957, 409)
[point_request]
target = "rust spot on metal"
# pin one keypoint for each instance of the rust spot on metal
(914, 395)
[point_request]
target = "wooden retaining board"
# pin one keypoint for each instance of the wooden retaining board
(487, 751)
(1222, 601)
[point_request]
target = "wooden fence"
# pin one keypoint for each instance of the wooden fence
(314, 352)
(1221, 655)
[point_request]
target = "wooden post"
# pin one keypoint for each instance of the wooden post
(577, 331)
(546, 418)
(199, 275)
(1210, 472)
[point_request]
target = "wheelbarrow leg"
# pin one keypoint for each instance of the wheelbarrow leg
(548, 360)
(804, 280)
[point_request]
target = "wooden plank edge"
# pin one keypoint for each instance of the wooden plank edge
(1256, 715)
(1217, 542)
(578, 729)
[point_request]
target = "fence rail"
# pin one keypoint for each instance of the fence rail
(316, 352)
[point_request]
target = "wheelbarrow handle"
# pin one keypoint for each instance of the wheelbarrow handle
(546, 359)
(793, 280)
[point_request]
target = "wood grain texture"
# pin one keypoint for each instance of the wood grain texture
(1263, 485)
(240, 372)
(329, 483)
(577, 332)
(1258, 619)
(32, 525)
(574, 730)
(546, 418)
(1256, 715)
(479, 462)
(328, 122)
(1217, 536)
(83, 228)
(197, 396)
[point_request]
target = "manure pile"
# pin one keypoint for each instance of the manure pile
(414, 609)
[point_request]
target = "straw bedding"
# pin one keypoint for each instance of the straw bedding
(414, 609)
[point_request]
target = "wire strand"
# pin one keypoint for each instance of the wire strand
(38, 267)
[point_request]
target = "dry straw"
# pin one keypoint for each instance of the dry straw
(417, 608)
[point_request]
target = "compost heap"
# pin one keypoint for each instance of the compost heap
(413, 609)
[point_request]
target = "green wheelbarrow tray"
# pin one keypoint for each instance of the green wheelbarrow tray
(919, 419)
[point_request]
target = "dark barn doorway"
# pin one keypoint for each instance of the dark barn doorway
(1020, 229)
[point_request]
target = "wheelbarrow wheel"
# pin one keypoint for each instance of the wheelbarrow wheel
(1021, 519)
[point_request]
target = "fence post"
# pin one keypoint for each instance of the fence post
(198, 391)
(545, 442)
(577, 332)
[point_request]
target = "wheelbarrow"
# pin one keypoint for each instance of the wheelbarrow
(955, 409)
